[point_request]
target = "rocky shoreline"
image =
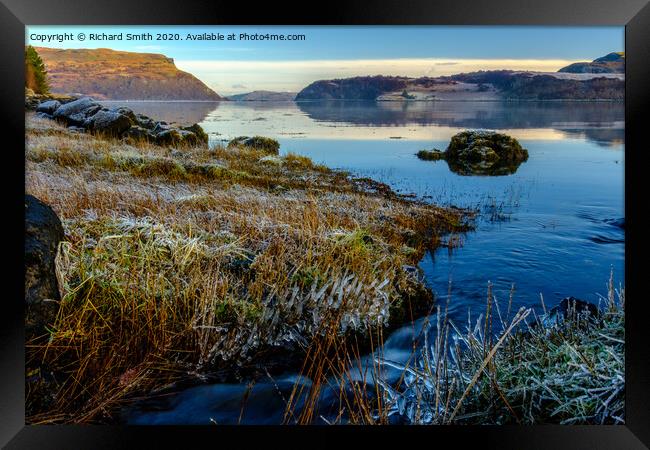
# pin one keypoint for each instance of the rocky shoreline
(87, 115)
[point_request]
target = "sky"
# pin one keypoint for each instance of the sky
(243, 65)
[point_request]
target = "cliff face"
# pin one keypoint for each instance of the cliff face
(116, 75)
(611, 63)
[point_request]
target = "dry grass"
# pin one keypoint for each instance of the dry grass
(177, 263)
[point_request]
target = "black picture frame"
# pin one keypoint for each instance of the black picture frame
(15, 14)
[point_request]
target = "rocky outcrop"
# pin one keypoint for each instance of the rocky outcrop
(118, 75)
(611, 63)
(480, 152)
(43, 232)
(85, 114)
(265, 144)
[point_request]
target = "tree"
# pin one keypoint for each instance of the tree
(35, 73)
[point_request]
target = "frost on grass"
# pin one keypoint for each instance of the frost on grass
(181, 262)
(572, 372)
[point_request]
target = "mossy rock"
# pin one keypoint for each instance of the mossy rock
(431, 155)
(485, 146)
(478, 152)
(265, 144)
(201, 137)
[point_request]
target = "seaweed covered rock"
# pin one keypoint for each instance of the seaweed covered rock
(431, 155)
(43, 232)
(484, 153)
(265, 144)
(480, 153)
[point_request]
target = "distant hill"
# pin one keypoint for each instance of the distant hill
(533, 86)
(116, 75)
(611, 63)
(481, 85)
(357, 88)
(263, 96)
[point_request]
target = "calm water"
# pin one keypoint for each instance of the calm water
(552, 228)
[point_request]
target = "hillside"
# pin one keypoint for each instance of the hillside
(601, 79)
(610, 63)
(532, 86)
(482, 85)
(117, 75)
(263, 96)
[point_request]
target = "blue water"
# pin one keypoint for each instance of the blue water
(551, 228)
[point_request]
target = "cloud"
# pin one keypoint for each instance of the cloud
(238, 86)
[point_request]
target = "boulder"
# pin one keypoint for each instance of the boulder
(110, 123)
(188, 138)
(48, 107)
(138, 133)
(42, 115)
(480, 153)
(43, 232)
(201, 135)
(168, 137)
(145, 122)
(265, 144)
(126, 112)
(77, 112)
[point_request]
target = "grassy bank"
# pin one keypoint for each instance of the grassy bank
(503, 367)
(182, 262)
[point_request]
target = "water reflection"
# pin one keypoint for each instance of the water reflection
(181, 112)
(601, 122)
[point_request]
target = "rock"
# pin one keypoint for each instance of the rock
(188, 138)
(168, 137)
(265, 144)
(126, 112)
(110, 123)
(43, 232)
(431, 155)
(145, 122)
(48, 107)
(77, 112)
(137, 133)
(571, 308)
(480, 153)
(201, 135)
(160, 126)
(43, 115)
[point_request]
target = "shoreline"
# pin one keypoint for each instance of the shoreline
(365, 191)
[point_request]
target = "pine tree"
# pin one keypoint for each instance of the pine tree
(35, 73)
